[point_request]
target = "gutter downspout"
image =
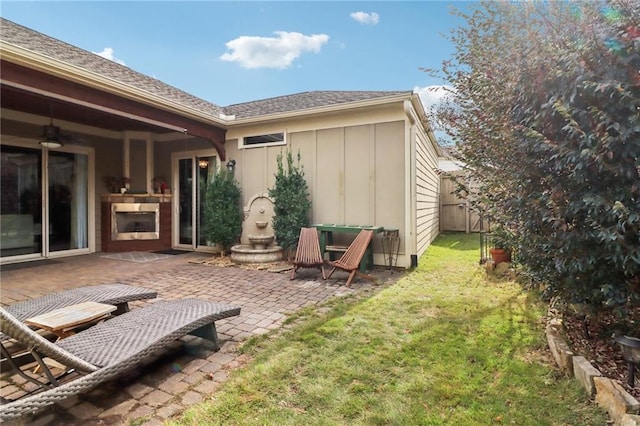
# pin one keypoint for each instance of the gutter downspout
(411, 231)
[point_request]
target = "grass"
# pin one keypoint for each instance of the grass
(446, 345)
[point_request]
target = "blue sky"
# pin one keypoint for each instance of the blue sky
(232, 52)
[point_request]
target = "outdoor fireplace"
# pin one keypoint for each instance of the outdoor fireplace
(135, 221)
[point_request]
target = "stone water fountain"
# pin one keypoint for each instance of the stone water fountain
(257, 240)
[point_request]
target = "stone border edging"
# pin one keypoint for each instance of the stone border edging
(623, 408)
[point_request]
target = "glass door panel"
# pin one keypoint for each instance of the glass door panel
(191, 196)
(65, 212)
(21, 201)
(67, 201)
(185, 225)
(206, 170)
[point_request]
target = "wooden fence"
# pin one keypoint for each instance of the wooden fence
(455, 212)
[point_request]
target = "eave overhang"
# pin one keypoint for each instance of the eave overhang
(28, 71)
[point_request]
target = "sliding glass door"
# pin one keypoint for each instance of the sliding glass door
(194, 171)
(38, 222)
(67, 201)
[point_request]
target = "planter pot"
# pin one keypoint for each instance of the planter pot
(499, 255)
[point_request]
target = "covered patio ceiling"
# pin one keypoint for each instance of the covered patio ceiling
(37, 93)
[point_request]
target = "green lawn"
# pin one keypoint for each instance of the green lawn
(446, 345)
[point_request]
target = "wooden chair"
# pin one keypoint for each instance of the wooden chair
(350, 260)
(308, 252)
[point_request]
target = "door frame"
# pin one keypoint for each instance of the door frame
(175, 184)
(91, 207)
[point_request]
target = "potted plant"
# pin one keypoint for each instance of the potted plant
(159, 185)
(124, 184)
(502, 240)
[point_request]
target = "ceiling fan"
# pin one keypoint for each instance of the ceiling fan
(52, 137)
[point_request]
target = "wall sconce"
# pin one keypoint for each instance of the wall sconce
(631, 353)
(203, 163)
(231, 166)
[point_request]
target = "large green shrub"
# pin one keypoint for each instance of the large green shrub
(291, 202)
(545, 114)
(222, 221)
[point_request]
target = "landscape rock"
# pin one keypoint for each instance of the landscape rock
(611, 396)
(584, 373)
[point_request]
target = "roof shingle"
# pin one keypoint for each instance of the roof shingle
(303, 101)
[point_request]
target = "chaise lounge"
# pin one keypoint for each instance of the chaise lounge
(112, 294)
(110, 348)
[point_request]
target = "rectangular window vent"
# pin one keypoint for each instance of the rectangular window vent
(262, 140)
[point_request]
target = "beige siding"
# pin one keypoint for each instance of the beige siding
(253, 176)
(390, 195)
(358, 169)
(359, 188)
(427, 190)
(305, 144)
(355, 174)
(330, 196)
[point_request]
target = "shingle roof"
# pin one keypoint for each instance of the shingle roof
(47, 46)
(42, 44)
(302, 101)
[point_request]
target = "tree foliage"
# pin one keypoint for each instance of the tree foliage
(291, 202)
(545, 114)
(222, 220)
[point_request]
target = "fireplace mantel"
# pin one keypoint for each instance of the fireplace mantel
(135, 198)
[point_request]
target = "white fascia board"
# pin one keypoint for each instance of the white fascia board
(420, 113)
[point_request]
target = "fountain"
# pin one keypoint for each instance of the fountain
(257, 241)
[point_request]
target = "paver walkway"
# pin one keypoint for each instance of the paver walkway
(187, 373)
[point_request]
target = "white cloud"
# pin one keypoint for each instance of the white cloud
(107, 53)
(432, 96)
(272, 52)
(366, 17)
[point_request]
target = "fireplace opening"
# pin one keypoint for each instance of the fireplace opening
(135, 221)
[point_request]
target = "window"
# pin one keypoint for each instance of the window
(262, 140)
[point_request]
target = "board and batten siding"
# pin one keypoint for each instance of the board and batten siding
(367, 166)
(355, 175)
(427, 193)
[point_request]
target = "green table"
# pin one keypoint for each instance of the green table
(326, 239)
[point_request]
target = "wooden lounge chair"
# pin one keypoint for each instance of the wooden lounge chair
(350, 260)
(308, 252)
(110, 348)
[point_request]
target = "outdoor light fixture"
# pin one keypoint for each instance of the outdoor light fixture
(51, 136)
(631, 353)
(231, 166)
(203, 163)
(50, 144)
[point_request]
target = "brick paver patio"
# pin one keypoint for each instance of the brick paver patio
(187, 374)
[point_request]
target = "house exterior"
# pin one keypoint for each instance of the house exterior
(370, 158)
